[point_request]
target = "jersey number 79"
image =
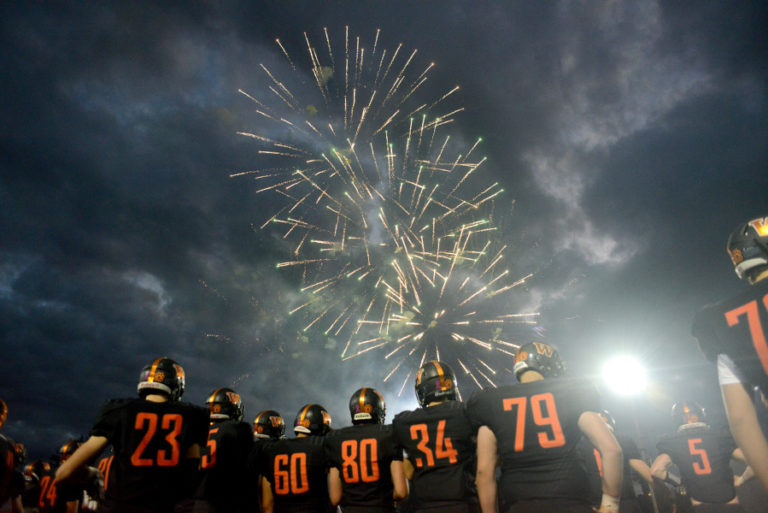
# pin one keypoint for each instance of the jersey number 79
(544, 414)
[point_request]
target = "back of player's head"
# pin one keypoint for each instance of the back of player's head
(162, 376)
(269, 424)
(366, 406)
(539, 357)
(608, 419)
(35, 470)
(688, 412)
(3, 412)
(436, 382)
(312, 419)
(68, 449)
(748, 248)
(225, 404)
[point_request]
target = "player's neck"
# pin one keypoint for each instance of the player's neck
(530, 376)
(156, 398)
(760, 277)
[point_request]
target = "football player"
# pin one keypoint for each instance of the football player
(156, 440)
(703, 458)
(295, 470)
(32, 474)
(60, 497)
(534, 429)
(268, 425)
(633, 461)
(439, 444)
(734, 333)
(11, 481)
(366, 474)
(222, 487)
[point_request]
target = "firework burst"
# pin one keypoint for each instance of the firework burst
(388, 224)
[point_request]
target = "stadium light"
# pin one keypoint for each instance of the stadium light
(625, 375)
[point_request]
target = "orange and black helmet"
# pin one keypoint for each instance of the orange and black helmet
(68, 449)
(748, 247)
(312, 419)
(162, 376)
(688, 412)
(269, 424)
(539, 357)
(366, 406)
(436, 382)
(35, 470)
(225, 404)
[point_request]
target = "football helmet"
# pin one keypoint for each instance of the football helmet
(367, 406)
(436, 382)
(539, 357)
(748, 247)
(688, 412)
(608, 419)
(269, 424)
(312, 419)
(162, 376)
(68, 449)
(36, 469)
(225, 404)
(3, 412)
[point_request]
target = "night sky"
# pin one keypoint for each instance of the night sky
(630, 138)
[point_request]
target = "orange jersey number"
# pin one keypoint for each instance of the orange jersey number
(147, 422)
(700, 467)
(290, 473)
(755, 327)
(208, 460)
(544, 414)
(360, 461)
(443, 445)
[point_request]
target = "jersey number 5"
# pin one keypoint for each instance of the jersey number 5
(755, 327)
(443, 446)
(703, 467)
(170, 424)
(540, 418)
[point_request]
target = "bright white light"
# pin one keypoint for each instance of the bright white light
(624, 375)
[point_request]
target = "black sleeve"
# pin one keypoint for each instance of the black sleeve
(629, 448)
(107, 420)
(473, 410)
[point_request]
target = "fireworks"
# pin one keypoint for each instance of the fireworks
(382, 214)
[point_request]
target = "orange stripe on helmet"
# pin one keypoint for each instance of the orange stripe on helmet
(210, 399)
(151, 377)
(440, 373)
(361, 399)
(304, 412)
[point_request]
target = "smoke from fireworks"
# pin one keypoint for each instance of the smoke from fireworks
(388, 223)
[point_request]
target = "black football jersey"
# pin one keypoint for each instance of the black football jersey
(593, 464)
(297, 471)
(54, 496)
(439, 442)
(223, 480)
(363, 455)
(738, 327)
(11, 481)
(150, 441)
(104, 464)
(537, 432)
(703, 458)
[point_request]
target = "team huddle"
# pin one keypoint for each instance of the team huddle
(541, 445)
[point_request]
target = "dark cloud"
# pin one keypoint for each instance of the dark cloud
(629, 138)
